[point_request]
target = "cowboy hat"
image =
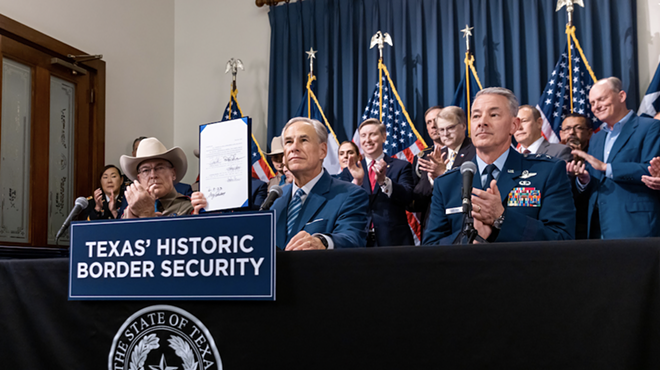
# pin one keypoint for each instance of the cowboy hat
(151, 148)
(276, 146)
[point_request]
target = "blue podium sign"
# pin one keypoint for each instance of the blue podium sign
(205, 257)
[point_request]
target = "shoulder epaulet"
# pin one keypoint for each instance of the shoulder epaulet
(539, 157)
(424, 151)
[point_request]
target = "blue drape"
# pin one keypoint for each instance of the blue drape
(516, 44)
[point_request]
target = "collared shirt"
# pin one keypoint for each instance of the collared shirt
(387, 186)
(612, 134)
(307, 188)
(499, 164)
(175, 204)
(534, 147)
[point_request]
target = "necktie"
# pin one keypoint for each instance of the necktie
(526, 151)
(282, 180)
(157, 205)
(452, 158)
(372, 176)
(489, 175)
(294, 210)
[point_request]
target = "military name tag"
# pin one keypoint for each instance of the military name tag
(451, 211)
(524, 197)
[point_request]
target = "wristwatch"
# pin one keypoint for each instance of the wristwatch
(498, 222)
(497, 226)
(323, 240)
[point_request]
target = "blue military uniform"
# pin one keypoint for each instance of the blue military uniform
(536, 195)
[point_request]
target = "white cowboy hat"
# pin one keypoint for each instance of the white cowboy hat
(151, 148)
(276, 146)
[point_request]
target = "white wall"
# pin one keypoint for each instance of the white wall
(207, 34)
(648, 38)
(136, 38)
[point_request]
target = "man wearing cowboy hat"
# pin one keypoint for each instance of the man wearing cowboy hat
(276, 156)
(154, 171)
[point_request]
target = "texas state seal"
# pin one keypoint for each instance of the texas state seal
(163, 337)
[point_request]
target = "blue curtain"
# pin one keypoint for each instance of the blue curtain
(516, 44)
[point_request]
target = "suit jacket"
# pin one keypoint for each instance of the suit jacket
(334, 208)
(626, 207)
(423, 190)
(555, 150)
(554, 219)
(259, 193)
(388, 214)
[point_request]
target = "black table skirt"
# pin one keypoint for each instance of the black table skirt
(561, 305)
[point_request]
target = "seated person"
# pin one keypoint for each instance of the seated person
(316, 211)
(154, 171)
(181, 188)
(515, 197)
(109, 198)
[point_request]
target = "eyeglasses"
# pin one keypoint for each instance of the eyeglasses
(573, 128)
(448, 130)
(158, 170)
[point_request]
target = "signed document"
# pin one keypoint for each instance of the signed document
(225, 164)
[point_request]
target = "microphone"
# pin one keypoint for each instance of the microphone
(274, 193)
(468, 169)
(81, 203)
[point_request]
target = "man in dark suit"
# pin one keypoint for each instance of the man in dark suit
(620, 204)
(576, 127)
(451, 126)
(515, 197)
(316, 211)
(575, 132)
(429, 119)
(530, 136)
(389, 182)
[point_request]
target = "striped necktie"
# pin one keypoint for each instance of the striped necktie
(294, 210)
(452, 158)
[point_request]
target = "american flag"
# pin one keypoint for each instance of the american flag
(314, 111)
(260, 168)
(403, 141)
(650, 105)
(555, 103)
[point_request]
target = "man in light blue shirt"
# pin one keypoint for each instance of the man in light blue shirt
(620, 205)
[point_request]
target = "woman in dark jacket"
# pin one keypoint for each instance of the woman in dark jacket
(109, 198)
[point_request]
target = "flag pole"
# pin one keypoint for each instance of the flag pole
(469, 60)
(380, 39)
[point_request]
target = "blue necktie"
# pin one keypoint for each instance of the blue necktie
(158, 204)
(282, 180)
(294, 210)
(489, 175)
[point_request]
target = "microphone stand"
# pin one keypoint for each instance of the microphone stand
(468, 233)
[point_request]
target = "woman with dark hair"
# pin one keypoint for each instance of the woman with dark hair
(109, 198)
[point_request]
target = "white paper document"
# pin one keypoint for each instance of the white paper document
(224, 164)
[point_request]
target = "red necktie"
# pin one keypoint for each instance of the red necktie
(372, 176)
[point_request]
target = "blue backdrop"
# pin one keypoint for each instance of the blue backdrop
(516, 44)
